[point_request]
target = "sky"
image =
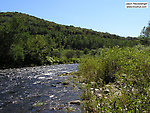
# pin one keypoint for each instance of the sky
(100, 15)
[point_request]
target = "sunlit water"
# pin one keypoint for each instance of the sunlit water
(37, 89)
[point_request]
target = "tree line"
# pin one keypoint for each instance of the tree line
(27, 40)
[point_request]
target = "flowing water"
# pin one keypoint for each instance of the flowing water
(38, 89)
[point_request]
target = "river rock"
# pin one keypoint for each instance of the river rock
(77, 102)
(93, 83)
(65, 83)
(106, 91)
(53, 85)
(99, 95)
(124, 75)
(59, 82)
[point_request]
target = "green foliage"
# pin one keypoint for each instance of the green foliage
(69, 54)
(36, 49)
(56, 53)
(36, 38)
(88, 68)
(130, 67)
(145, 35)
(17, 53)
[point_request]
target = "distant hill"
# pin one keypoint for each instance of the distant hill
(26, 39)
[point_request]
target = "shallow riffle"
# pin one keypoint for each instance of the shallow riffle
(38, 89)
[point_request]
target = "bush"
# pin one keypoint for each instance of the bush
(130, 67)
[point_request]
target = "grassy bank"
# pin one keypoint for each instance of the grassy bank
(116, 80)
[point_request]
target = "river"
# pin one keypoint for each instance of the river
(38, 89)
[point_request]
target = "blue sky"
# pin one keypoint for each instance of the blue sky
(100, 15)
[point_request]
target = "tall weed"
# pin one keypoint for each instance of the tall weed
(127, 67)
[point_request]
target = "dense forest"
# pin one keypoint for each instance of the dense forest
(27, 41)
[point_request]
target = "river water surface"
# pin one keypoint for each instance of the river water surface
(38, 89)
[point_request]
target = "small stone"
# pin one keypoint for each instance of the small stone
(58, 83)
(108, 86)
(53, 85)
(50, 78)
(92, 92)
(65, 83)
(99, 95)
(118, 82)
(91, 88)
(41, 77)
(53, 108)
(51, 96)
(70, 109)
(106, 91)
(38, 104)
(101, 89)
(67, 73)
(78, 102)
(84, 84)
(106, 97)
(96, 90)
(93, 83)
(124, 75)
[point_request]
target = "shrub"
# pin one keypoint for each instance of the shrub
(130, 67)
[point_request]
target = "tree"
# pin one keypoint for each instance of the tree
(146, 31)
(10, 38)
(36, 49)
(17, 53)
(145, 35)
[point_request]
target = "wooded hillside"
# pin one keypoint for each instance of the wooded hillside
(26, 40)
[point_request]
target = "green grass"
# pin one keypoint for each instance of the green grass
(128, 69)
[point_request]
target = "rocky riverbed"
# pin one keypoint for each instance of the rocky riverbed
(38, 89)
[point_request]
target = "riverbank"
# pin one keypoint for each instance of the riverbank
(118, 80)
